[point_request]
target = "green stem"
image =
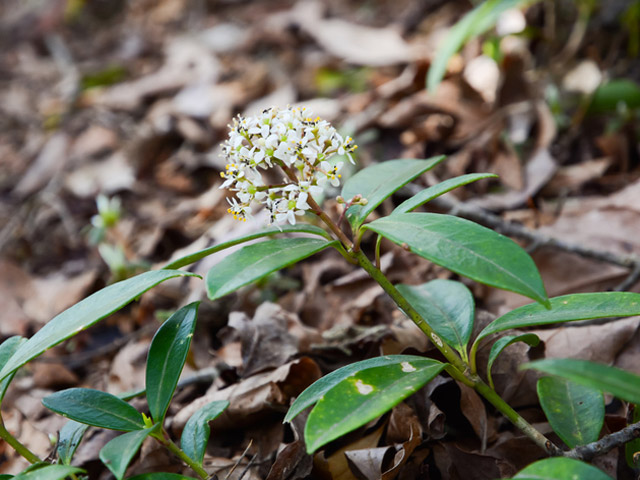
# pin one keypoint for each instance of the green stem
(378, 242)
(472, 357)
(534, 435)
(16, 445)
(173, 448)
(458, 369)
(452, 357)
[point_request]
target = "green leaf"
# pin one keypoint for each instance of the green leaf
(48, 472)
(379, 181)
(195, 435)
(167, 354)
(448, 308)
(575, 412)
(466, 248)
(530, 339)
(474, 23)
(363, 396)
(299, 228)
(610, 95)
(117, 454)
(96, 408)
(5, 476)
(315, 392)
(620, 383)
(161, 476)
(7, 350)
(85, 313)
(567, 308)
(441, 188)
(258, 260)
(561, 468)
(69, 438)
(632, 448)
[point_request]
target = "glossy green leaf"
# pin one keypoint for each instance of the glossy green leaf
(530, 339)
(441, 188)
(7, 350)
(85, 313)
(568, 308)
(466, 248)
(161, 476)
(632, 448)
(561, 468)
(298, 228)
(258, 260)
(364, 396)
(474, 23)
(5, 476)
(118, 453)
(48, 472)
(195, 435)
(315, 392)
(608, 97)
(620, 383)
(448, 308)
(379, 181)
(96, 408)
(575, 412)
(167, 354)
(69, 438)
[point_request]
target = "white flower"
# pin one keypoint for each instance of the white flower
(291, 139)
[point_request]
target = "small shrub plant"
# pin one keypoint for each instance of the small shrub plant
(301, 154)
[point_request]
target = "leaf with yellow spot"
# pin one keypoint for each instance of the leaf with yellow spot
(365, 395)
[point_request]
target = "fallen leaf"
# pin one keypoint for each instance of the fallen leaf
(103, 176)
(50, 161)
(256, 396)
(357, 44)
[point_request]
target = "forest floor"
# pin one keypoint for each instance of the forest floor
(131, 100)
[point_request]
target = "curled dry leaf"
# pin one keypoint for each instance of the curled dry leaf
(270, 338)
(357, 44)
(256, 396)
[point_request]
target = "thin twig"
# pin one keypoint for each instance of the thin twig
(630, 281)
(605, 444)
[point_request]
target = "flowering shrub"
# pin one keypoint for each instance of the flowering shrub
(300, 148)
(288, 138)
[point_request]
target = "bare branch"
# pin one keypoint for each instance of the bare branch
(605, 444)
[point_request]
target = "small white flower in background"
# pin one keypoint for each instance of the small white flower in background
(290, 138)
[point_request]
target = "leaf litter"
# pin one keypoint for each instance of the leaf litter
(138, 112)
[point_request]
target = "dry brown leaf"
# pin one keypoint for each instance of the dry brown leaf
(597, 343)
(539, 169)
(94, 141)
(367, 463)
(474, 410)
(457, 463)
(128, 367)
(256, 396)
(573, 177)
(53, 376)
(188, 62)
(270, 338)
(55, 293)
(336, 466)
(50, 161)
(291, 463)
(102, 176)
(357, 44)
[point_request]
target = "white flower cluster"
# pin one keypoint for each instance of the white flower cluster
(291, 139)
